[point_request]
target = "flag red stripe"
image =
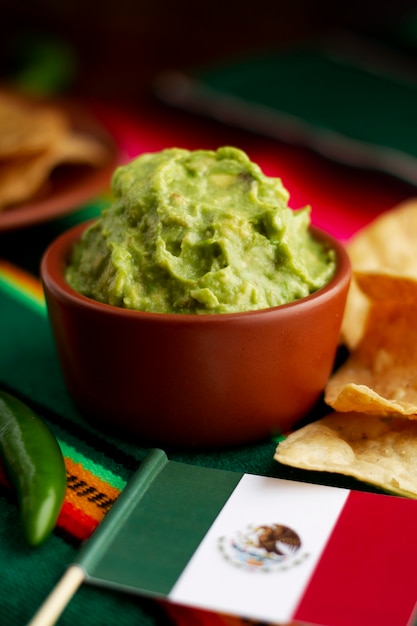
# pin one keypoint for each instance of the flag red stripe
(366, 575)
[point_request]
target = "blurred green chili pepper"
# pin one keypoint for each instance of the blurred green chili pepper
(35, 467)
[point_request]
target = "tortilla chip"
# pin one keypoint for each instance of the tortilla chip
(377, 450)
(386, 246)
(25, 130)
(380, 375)
(388, 243)
(22, 178)
(34, 139)
(77, 148)
(354, 317)
(379, 287)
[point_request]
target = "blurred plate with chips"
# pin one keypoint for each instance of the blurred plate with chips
(54, 157)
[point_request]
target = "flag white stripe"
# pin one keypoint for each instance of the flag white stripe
(213, 580)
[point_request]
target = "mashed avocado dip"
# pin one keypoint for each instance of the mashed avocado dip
(198, 232)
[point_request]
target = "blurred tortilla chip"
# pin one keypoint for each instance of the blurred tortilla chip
(379, 287)
(354, 317)
(380, 375)
(377, 450)
(385, 246)
(35, 138)
(388, 242)
(27, 130)
(22, 178)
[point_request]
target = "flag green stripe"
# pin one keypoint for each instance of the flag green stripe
(156, 527)
(98, 547)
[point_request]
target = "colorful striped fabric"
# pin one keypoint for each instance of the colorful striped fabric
(87, 500)
(22, 285)
(91, 488)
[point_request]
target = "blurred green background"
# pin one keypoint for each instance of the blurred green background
(112, 49)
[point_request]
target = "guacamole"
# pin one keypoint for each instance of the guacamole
(198, 232)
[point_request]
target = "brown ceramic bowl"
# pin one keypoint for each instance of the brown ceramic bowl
(194, 381)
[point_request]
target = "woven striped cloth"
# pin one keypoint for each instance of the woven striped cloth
(91, 488)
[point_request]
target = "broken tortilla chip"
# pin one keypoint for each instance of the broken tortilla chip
(377, 450)
(380, 375)
(385, 246)
(388, 243)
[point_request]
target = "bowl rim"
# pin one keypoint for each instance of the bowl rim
(58, 252)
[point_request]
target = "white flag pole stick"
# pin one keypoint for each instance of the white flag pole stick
(61, 594)
(92, 551)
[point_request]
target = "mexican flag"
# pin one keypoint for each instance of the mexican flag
(265, 549)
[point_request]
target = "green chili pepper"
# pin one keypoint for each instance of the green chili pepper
(35, 467)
